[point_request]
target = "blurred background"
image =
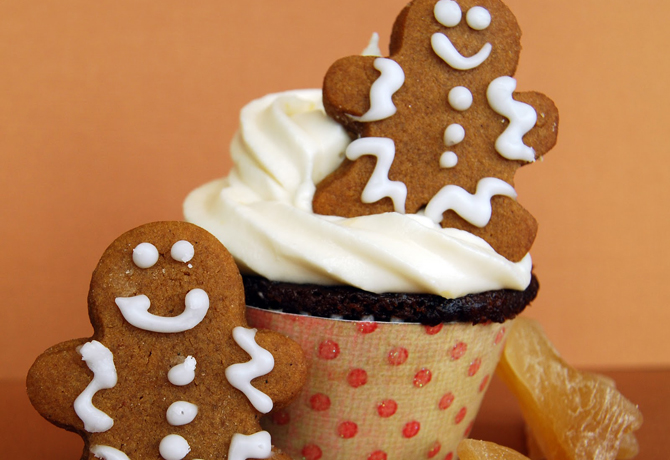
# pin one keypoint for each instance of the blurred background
(112, 111)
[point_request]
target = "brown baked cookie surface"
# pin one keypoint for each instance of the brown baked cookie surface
(172, 371)
(438, 127)
(351, 303)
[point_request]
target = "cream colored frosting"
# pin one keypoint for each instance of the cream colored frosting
(262, 212)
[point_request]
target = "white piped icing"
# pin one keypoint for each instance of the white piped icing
(257, 445)
(184, 373)
(447, 13)
(173, 447)
(522, 118)
(240, 375)
(108, 453)
(100, 360)
(449, 54)
(135, 311)
(478, 18)
(145, 255)
(373, 46)
(181, 413)
(382, 90)
(285, 145)
(476, 208)
(182, 251)
(454, 134)
(460, 98)
(448, 160)
(379, 185)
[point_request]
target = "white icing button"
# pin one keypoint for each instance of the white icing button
(182, 251)
(454, 134)
(257, 445)
(145, 255)
(181, 413)
(448, 160)
(173, 447)
(478, 18)
(108, 453)
(447, 13)
(460, 98)
(184, 373)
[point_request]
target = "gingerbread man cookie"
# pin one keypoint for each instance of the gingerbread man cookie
(172, 371)
(438, 126)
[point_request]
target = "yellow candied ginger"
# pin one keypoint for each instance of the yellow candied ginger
(469, 449)
(573, 415)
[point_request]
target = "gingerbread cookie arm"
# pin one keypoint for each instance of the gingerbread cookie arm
(62, 365)
(288, 376)
(545, 133)
(346, 89)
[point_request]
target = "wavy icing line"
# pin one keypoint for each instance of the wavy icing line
(381, 102)
(240, 375)
(100, 360)
(475, 208)
(135, 310)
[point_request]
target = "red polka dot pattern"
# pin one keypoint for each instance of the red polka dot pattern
(281, 417)
(377, 455)
(449, 456)
(434, 450)
(311, 452)
(329, 350)
(432, 330)
(459, 350)
(319, 402)
(461, 415)
(422, 378)
(411, 429)
(387, 408)
(367, 327)
(357, 378)
(485, 381)
(446, 401)
(398, 356)
(474, 367)
(469, 429)
(347, 430)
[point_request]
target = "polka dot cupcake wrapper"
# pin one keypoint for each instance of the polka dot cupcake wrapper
(379, 391)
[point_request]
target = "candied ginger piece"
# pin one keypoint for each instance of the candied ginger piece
(469, 449)
(573, 415)
(628, 449)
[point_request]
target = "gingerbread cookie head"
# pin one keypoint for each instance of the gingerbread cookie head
(172, 371)
(438, 126)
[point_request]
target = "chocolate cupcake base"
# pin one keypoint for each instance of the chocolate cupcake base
(351, 303)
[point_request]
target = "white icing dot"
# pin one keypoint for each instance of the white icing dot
(454, 134)
(447, 13)
(184, 373)
(145, 255)
(182, 251)
(448, 160)
(460, 98)
(478, 18)
(173, 447)
(181, 413)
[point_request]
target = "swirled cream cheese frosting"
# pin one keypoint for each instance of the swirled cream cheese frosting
(262, 212)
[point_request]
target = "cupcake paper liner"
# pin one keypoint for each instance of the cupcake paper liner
(379, 391)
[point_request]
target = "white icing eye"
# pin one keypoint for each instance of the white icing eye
(454, 134)
(447, 13)
(478, 18)
(460, 98)
(448, 160)
(182, 251)
(145, 255)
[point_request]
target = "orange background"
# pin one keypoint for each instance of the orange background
(112, 111)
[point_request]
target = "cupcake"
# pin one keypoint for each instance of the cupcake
(375, 222)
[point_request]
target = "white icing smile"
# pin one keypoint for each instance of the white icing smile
(135, 311)
(449, 54)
